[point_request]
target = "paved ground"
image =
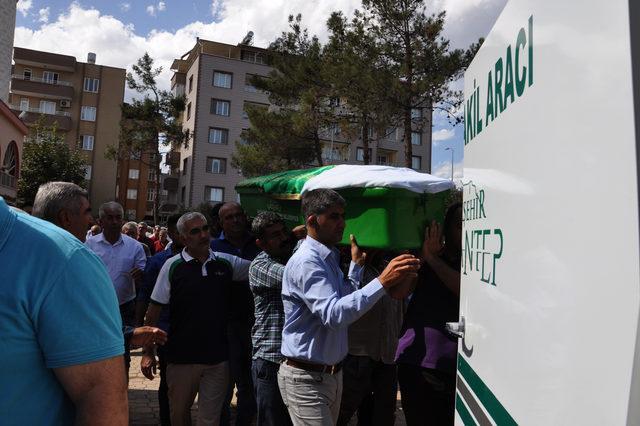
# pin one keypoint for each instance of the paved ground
(143, 398)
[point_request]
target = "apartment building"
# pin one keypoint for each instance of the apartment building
(215, 77)
(135, 187)
(82, 99)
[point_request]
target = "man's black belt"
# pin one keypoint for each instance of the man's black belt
(317, 368)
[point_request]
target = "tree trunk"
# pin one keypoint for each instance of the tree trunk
(155, 164)
(408, 149)
(318, 147)
(365, 140)
(408, 57)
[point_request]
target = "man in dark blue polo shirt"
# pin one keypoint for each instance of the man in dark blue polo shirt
(197, 283)
(235, 239)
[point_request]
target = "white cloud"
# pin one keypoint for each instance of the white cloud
(80, 30)
(162, 6)
(442, 135)
(443, 170)
(217, 9)
(125, 7)
(43, 15)
(24, 6)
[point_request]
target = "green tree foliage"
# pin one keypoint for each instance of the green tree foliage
(47, 158)
(359, 79)
(424, 65)
(299, 93)
(272, 143)
(148, 122)
(374, 73)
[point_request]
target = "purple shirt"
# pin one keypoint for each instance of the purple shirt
(424, 340)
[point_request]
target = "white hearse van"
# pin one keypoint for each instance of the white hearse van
(550, 290)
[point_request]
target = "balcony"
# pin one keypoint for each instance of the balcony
(173, 159)
(30, 116)
(170, 183)
(38, 58)
(32, 86)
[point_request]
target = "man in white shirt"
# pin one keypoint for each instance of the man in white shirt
(122, 255)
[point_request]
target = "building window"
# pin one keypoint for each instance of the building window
(150, 194)
(87, 142)
(416, 162)
(87, 172)
(329, 153)
(216, 165)
(132, 194)
(190, 83)
(248, 87)
(152, 175)
(50, 77)
(334, 102)
(220, 107)
(88, 113)
(218, 136)
(47, 107)
(416, 138)
(251, 56)
(245, 114)
(383, 160)
(416, 113)
(391, 133)
(222, 79)
(213, 193)
(360, 154)
(91, 84)
(189, 110)
(24, 104)
(131, 214)
(134, 173)
(26, 74)
(185, 163)
(182, 194)
(135, 155)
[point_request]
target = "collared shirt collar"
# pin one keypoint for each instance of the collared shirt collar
(322, 249)
(188, 258)
(100, 238)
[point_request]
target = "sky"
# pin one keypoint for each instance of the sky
(120, 32)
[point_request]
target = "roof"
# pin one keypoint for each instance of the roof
(13, 119)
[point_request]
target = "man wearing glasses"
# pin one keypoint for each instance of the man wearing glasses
(197, 283)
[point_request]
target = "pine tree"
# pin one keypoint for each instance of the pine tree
(148, 122)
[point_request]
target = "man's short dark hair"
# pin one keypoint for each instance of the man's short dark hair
(52, 197)
(319, 201)
(264, 220)
(172, 221)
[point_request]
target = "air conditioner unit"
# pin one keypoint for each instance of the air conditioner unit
(65, 103)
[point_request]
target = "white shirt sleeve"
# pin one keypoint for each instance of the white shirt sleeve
(239, 265)
(162, 290)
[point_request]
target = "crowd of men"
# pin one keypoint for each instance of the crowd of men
(307, 332)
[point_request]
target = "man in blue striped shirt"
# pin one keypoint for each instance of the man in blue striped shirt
(319, 305)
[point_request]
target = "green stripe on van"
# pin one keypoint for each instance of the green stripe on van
(464, 412)
(484, 394)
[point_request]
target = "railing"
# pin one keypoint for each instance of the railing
(40, 111)
(42, 80)
(7, 180)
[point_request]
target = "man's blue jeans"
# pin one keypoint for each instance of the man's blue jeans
(271, 409)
